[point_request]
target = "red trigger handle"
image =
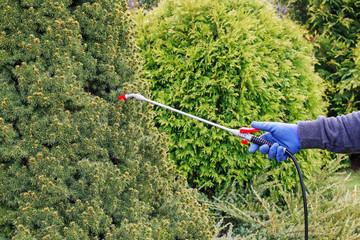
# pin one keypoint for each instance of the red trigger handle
(247, 130)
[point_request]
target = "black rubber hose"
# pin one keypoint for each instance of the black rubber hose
(260, 141)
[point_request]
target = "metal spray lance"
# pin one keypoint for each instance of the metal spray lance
(244, 133)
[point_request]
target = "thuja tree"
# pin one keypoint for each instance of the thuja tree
(231, 62)
(76, 163)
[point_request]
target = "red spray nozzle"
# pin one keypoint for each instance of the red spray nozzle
(136, 96)
(122, 97)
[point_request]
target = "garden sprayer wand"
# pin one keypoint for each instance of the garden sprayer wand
(243, 133)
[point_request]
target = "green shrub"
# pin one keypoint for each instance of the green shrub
(76, 163)
(231, 62)
(335, 30)
(333, 210)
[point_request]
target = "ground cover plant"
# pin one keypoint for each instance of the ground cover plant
(333, 209)
(76, 163)
(231, 62)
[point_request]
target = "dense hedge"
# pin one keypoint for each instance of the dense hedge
(231, 62)
(75, 163)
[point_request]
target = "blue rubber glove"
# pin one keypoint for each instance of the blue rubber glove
(282, 135)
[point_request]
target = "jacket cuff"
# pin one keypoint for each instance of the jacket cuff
(310, 134)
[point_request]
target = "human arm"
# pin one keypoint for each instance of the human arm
(336, 134)
(339, 134)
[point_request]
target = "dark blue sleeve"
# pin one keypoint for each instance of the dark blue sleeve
(336, 134)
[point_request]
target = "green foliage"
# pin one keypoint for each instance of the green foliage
(148, 4)
(75, 162)
(296, 9)
(145, 4)
(5, 228)
(335, 30)
(230, 62)
(333, 210)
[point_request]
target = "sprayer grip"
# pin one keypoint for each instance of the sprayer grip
(260, 141)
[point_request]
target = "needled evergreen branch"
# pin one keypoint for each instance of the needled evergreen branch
(76, 163)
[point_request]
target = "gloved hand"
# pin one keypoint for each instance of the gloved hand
(282, 135)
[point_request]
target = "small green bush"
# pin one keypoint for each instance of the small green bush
(76, 163)
(333, 210)
(230, 62)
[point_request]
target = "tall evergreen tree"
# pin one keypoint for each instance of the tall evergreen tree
(75, 162)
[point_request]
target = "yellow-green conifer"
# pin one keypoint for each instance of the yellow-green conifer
(230, 62)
